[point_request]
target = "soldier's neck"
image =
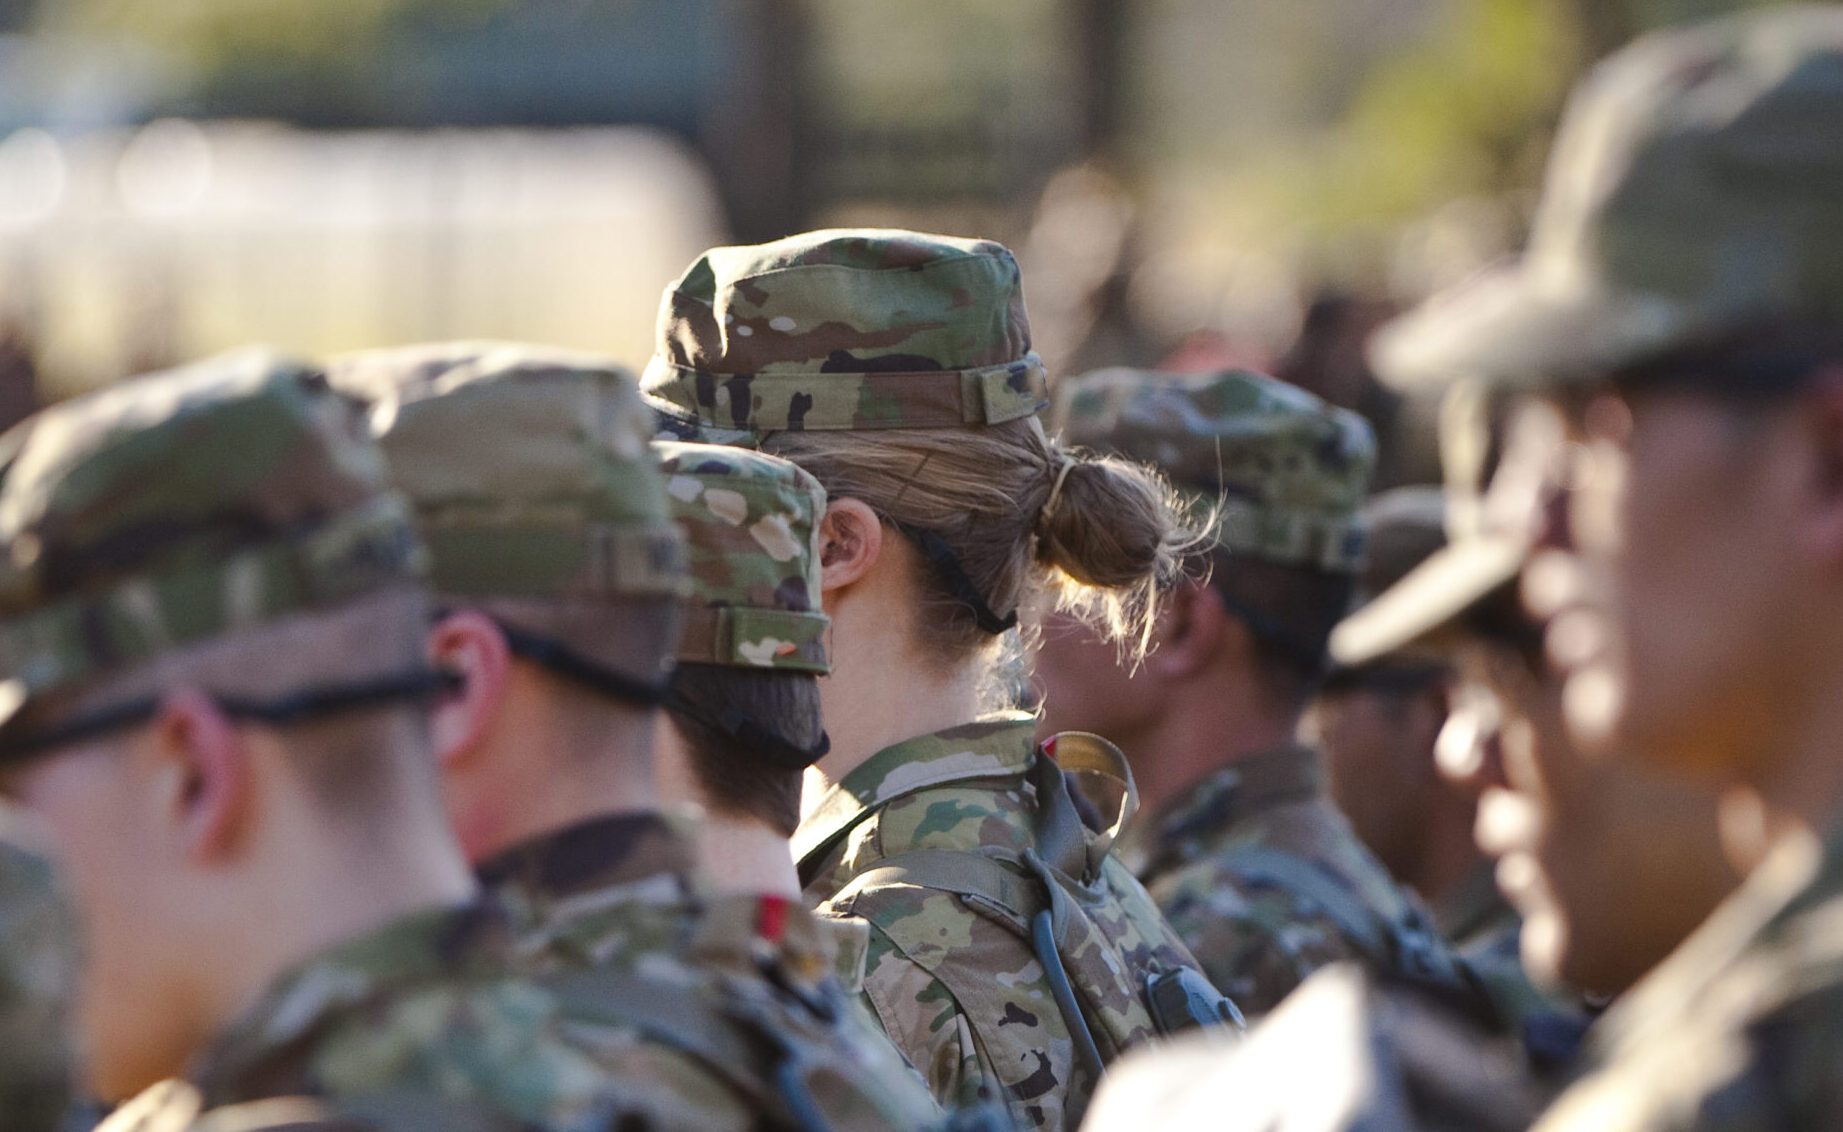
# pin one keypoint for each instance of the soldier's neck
(317, 886)
(741, 856)
(885, 688)
(1208, 725)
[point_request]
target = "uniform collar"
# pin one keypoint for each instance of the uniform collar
(593, 856)
(1252, 784)
(997, 747)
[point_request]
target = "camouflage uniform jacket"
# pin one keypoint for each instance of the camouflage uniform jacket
(1741, 1027)
(1247, 864)
(38, 941)
(965, 999)
(744, 986)
(413, 1026)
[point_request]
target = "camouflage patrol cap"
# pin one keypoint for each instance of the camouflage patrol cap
(1695, 191)
(181, 506)
(1289, 471)
(531, 477)
(846, 329)
(751, 524)
(528, 468)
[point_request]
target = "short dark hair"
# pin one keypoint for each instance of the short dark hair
(1290, 611)
(735, 778)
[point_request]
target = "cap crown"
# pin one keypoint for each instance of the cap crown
(1290, 471)
(528, 468)
(848, 329)
(1695, 191)
(1707, 165)
(184, 505)
(751, 524)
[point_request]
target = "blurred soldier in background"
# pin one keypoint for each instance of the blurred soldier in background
(1377, 724)
(213, 631)
(561, 576)
(1379, 721)
(38, 957)
(1682, 307)
(1242, 848)
(1612, 865)
(1009, 954)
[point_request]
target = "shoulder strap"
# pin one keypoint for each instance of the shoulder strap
(1352, 917)
(984, 881)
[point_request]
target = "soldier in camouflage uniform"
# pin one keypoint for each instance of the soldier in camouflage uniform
(896, 368)
(1680, 309)
(744, 712)
(1613, 866)
(1243, 851)
(1377, 720)
(211, 633)
(560, 573)
(37, 961)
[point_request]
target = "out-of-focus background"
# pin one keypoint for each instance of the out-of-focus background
(1188, 183)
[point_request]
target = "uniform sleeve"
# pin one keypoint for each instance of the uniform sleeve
(924, 1022)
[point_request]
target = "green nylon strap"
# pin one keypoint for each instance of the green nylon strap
(1011, 892)
(1082, 752)
(1061, 839)
(140, 618)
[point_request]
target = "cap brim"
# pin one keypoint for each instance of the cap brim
(1428, 598)
(1520, 326)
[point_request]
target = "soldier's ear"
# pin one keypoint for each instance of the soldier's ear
(468, 644)
(850, 542)
(1193, 629)
(204, 778)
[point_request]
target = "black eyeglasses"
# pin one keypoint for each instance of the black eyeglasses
(296, 707)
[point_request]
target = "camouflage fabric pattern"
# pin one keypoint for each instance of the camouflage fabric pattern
(966, 1000)
(181, 506)
(846, 329)
(420, 1017)
(1256, 932)
(38, 945)
(751, 524)
(1691, 192)
(612, 899)
(558, 499)
(1288, 472)
(1741, 1028)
